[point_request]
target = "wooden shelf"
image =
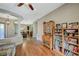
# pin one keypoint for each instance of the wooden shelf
(77, 35)
(58, 34)
(70, 29)
(74, 37)
(58, 29)
(75, 52)
(73, 44)
(46, 45)
(58, 53)
(66, 49)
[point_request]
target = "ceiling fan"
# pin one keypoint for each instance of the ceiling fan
(29, 5)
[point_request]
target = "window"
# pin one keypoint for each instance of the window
(2, 30)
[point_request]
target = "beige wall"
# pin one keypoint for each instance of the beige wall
(11, 29)
(65, 13)
(34, 30)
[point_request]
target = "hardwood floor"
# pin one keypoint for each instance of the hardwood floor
(33, 48)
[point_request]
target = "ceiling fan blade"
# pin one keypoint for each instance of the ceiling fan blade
(30, 6)
(20, 4)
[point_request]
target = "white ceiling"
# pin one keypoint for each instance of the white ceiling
(29, 16)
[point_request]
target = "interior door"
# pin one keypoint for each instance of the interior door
(2, 30)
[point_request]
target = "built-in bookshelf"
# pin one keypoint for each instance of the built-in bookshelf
(66, 38)
(62, 38)
(71, 39)
(58, 39)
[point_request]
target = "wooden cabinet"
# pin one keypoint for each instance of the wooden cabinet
(48, 31)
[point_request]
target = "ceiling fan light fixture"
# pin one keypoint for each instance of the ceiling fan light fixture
(31, 7)
(20, 4)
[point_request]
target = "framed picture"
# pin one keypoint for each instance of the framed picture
(64, 25)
